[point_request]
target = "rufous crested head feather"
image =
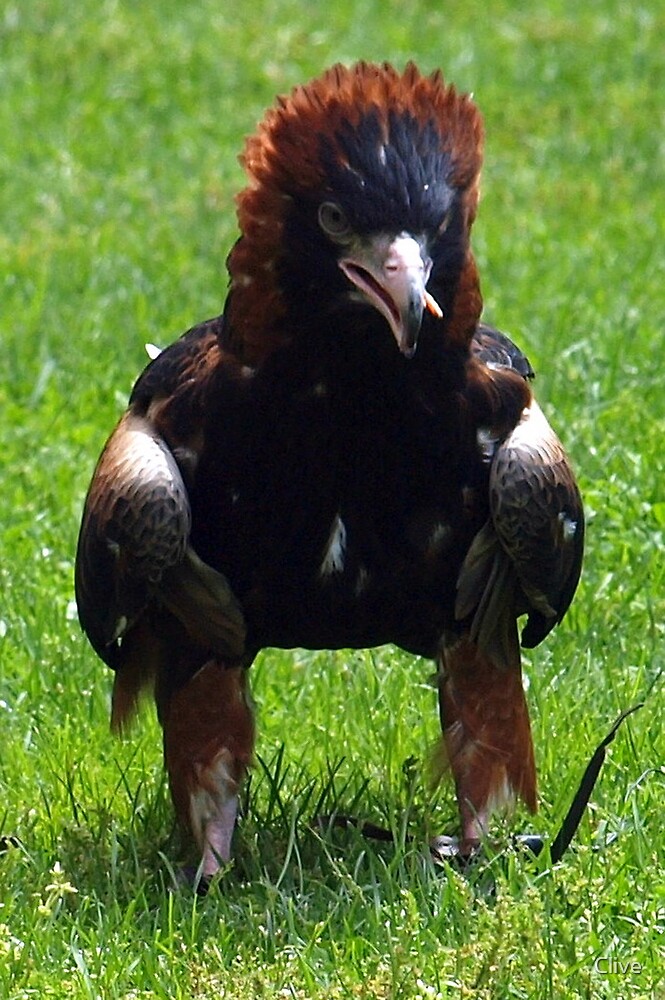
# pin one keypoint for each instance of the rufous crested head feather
(285, 153)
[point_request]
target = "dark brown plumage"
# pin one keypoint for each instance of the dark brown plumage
(347, 457)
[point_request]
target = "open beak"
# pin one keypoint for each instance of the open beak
(391, 274)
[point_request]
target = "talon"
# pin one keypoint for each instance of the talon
(190, 877)
(460, 853)
(530, 841)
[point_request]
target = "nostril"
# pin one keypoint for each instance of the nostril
(392, 267)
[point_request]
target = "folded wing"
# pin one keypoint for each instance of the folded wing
(527, 558)
(134, 558)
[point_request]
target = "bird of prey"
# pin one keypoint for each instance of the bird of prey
(345, 457)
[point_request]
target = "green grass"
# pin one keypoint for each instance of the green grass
(120, 127)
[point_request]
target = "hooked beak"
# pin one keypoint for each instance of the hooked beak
(391, 274)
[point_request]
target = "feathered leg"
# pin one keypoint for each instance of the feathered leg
(208, 741)
(486, 736)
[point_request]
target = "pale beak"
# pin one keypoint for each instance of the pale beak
(391, 273)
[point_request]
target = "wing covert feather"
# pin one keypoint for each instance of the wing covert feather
(134, 549)
(136, 525)
(538, 516)
(528, 556)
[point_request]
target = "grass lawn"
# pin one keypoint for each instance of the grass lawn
(120, 124)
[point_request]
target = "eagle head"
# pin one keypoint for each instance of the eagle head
(363, 186)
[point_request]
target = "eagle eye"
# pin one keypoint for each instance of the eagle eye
(333, 221)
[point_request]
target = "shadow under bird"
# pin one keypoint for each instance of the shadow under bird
(346, 457)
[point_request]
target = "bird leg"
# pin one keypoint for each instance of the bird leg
(486, 738)
(208, 742)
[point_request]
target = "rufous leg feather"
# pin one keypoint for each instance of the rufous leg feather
(208, 742)
(486, 736)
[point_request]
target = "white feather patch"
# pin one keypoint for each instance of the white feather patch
(568, 527)
(333, 556)
(487, 443)
(439, 537)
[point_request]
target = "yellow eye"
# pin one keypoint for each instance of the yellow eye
(333, 221)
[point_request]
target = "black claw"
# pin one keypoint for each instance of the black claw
(202, 886)
(6, 843)
(531, 841)
(444, 848)
(447, 849)
(188, 877)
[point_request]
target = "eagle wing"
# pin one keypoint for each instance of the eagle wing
(527, 558)
(134, 558)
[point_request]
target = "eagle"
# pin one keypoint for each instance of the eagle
(346, 457)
